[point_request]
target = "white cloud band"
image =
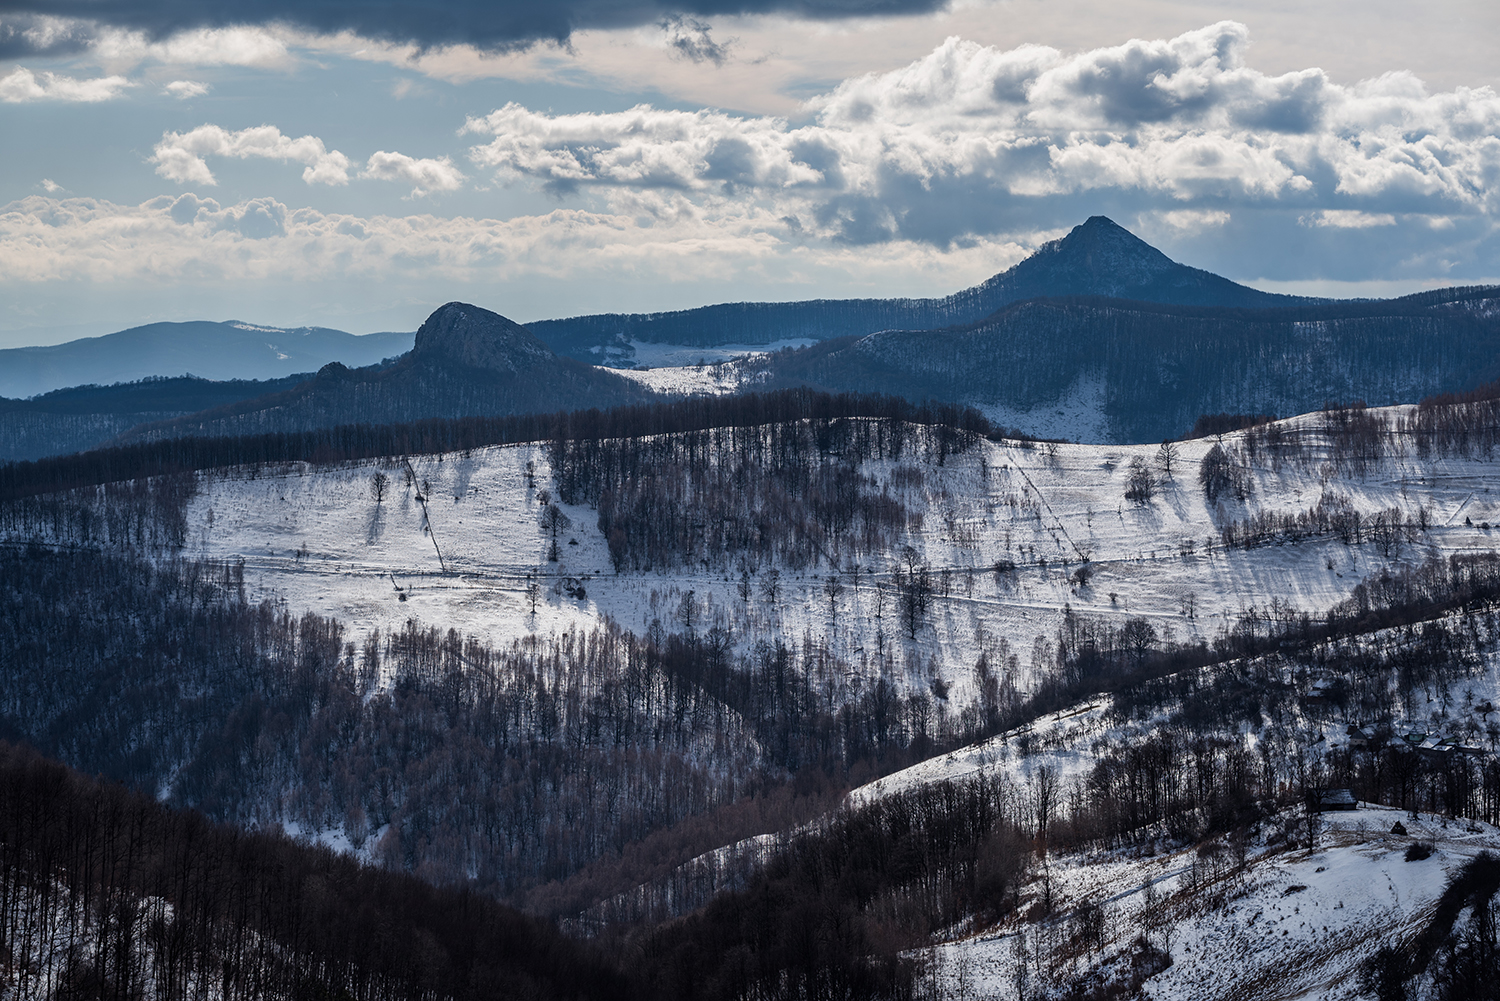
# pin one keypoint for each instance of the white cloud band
(22, 86)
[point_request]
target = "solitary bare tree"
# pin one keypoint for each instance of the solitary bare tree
(832, 589)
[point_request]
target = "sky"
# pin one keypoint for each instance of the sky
(355, 165)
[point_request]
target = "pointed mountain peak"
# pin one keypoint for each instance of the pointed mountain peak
(1102, 258)
(1100, 248)
(478, 338)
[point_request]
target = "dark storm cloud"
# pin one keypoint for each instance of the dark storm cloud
(489, 24)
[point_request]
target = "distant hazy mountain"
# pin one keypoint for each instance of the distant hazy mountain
(1147, 370)
(71, 420)
(1098, 258)
(218, 351)
(466, 361)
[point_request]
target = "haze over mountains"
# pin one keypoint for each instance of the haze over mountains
(219, 351)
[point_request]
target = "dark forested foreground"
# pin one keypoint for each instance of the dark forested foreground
(104, 893)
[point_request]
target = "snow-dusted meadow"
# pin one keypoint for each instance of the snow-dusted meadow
(458, 538)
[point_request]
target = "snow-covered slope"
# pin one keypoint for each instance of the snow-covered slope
(1287, 923)
(461, 556)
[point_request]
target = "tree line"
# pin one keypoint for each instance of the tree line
(363, 441)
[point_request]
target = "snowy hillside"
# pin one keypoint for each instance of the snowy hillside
(457, 538)
(1039, 719)
(1283, 923)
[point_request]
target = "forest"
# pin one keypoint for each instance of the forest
(583, 776)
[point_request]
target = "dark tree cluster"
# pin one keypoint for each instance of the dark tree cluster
(789, 492)
(1334, 515)
(107, 894)
(837, 913)
(1210, 425)
(513, 767)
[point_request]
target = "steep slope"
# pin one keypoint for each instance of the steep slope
(220, 351)
(466, 362)
(1152, 370)
(1097, 258)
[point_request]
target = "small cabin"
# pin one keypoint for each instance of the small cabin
(1336, 799)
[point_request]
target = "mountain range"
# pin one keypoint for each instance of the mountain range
(216, 351)
(1143, 371)
(466, 362)
(1098, 326)
(1097, 258)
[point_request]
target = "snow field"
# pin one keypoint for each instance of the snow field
(461, 557)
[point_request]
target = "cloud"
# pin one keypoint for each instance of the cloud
(487, 24)
(1348, 219)
(950, 167)
(21, 86)
(973, 141)
(180, 156)
(50, 186)
(42, 35)
(190, 240)
(184, 89)
(688, 38)
(425, 176)
(236, 45)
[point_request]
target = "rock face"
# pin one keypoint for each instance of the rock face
(478, 338)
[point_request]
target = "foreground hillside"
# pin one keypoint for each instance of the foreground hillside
(674, 674)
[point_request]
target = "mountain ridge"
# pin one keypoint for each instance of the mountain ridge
(466, 361)
(1089, 260)
(214, 350)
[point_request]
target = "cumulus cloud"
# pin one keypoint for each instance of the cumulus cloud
(180, 156)
(425, 175)
(972, 140)
(948, 167)
(184, 89)
(488, 24)
(236, 45)
(21, 86)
